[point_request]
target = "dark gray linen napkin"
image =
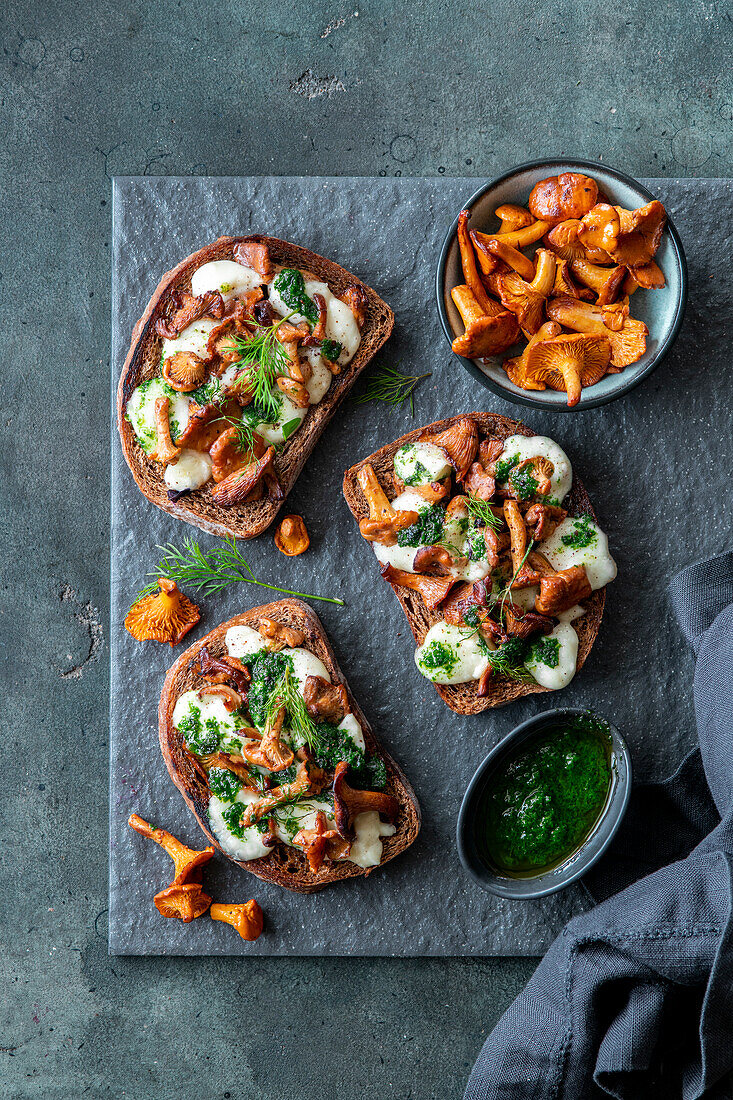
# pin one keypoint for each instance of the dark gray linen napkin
(635, 998)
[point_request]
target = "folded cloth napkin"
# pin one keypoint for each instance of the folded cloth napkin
(634, 999)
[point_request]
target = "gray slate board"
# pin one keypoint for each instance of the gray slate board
(657, 464)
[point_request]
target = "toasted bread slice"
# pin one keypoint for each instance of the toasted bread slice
(285, 866)
(249, 519)
(464, 698)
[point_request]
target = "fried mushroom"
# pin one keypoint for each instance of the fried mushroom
(487, 333)
(569, 362)
(383, 521)
(165, 616)
(324, 701)
(432, 589)
(238, 485)
(349, 802)
(185, 308)
(558, 198)
(562, 590)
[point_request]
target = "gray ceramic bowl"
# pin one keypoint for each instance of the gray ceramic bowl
(548, 882)
(661, 310)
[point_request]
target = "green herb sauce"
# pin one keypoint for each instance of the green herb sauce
(427, 531)
(290, 285)
(548, 798)
(583, 534)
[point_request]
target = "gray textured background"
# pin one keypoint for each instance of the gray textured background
(228, 89)
(393, 243)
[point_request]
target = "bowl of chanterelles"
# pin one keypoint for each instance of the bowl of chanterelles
(561, 285)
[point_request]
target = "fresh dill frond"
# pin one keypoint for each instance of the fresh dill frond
(211, 571)
(299, 721)
(506, 660)
(245, 432)
(505, 593)
(392, 386)
(262, 359)
(481, 510)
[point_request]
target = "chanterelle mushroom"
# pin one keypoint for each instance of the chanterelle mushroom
(314, 842)
(238, 485)
(486, 334)
(630, 237)
(569, 362)
(562, 590)
(557, 198)
(184, 371)
(527, 300)
(383, 521)
(246, 917)
(470, 271)
(324, 701)
(279, 635)
(186, 860)
(184, 900)
(432, 589)
(165, 616)
(348, 803)
(460, 443)
(291, 537)
(606, 282)
(517, 368)
(628, 343)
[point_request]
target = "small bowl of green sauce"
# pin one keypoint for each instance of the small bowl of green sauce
(545, 804)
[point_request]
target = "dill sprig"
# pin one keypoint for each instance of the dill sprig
(262, 358)
(286, 693)
(210, 571)
(481, 510)
(505, 661)
(505, 593)
(391, 386)
(245, 436)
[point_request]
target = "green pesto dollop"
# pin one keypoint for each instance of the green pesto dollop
(547, 799)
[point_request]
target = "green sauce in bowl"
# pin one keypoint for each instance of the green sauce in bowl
(547, 798)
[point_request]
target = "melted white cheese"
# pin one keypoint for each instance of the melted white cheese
(228, 277)
(340, 321)
(319, 382)
(366, 850)
(288, 421)
(141, 411)
(194, 338)
(562, 674)
(210, 706)
(599, 565)
(433, 460)
(251, 845)
(403, 557)
(351, 727)
(191, 470)
(241, 641)
(305, 664)
(530, 446)
(465, 658)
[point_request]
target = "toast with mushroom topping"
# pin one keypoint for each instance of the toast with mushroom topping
(274, 757)
(241, 358)
(493, 550)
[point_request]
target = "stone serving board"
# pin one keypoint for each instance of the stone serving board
(657, 464)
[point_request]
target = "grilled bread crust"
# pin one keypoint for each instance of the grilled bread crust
(464, 698)
(284, 866)
(248, 519)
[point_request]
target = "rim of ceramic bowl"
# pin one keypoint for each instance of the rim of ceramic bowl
(594, 846)
(623, 387)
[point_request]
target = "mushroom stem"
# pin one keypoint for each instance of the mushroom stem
(518, 238)
(466, 304)
(513, 217)
(185, 859)
(468, 263)
(606, 282)
(544, 272)
(513, 257)
(246, 917)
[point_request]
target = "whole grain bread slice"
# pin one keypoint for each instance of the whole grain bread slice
(245, 520)
(464, 698)
(284, 866)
